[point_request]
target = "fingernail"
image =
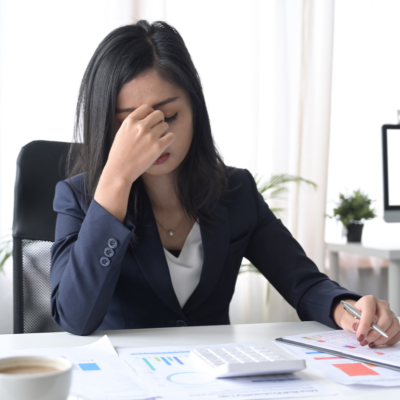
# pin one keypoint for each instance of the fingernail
(360, 338)
(364, 342)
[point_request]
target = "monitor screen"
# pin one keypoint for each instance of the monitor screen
(391, 172)
(393, 166)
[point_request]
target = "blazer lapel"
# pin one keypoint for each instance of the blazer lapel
(215, 240)
(150, 257)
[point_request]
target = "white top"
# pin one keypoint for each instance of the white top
(185, 270)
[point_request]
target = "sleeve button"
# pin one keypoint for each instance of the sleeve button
(113, 243)
(109, 252)
(105, 261)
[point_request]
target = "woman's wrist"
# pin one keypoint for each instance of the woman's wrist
(339, 311)
(112, 193)
(115, 177)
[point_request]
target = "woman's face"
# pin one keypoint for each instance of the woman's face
(151, 89)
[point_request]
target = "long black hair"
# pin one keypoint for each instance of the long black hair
(127, 52)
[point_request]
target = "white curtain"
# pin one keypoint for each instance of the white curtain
(295, 98)
(304, 49)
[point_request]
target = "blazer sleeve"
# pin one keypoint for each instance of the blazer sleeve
(280, 258)
(81, 287)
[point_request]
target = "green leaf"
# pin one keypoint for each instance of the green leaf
(276, 186)
(5, 250)
(3, 261)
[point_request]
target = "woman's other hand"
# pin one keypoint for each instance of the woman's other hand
(372, 311)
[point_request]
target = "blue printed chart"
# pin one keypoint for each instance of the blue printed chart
(168, 368)
(168, 371)
(152, 361)
(89, 366)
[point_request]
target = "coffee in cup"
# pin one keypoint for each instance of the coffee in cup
(35, 378)
(31, 369)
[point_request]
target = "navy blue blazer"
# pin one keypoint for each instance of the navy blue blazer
(134, 289)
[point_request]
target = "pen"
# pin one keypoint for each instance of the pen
(356, 314)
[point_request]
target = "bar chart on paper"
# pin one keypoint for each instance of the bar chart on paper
(345, 371)
(152, 361)
(170, 373)
(173, 367)
(346, 344)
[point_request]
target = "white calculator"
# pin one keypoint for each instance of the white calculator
(230, 361)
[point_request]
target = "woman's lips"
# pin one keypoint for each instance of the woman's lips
(161, 159)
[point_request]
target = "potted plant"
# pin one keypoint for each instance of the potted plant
(352, 211)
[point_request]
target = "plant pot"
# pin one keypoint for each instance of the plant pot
(354, 233)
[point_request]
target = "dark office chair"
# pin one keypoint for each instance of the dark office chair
(40, 165)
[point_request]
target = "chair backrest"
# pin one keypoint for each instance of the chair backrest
(40, 165)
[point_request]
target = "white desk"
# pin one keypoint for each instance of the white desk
(259, 333)
(393, 255)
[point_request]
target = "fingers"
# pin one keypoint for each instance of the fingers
(378, 312)
(393, 330)
(153, 119)
(150, 119)
(166, 140)
(372, 311)
(160, 129)
(367, 307)
(141, 112)
(384, 322)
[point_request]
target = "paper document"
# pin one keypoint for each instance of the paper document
(170, 373)
(347, 344)
(98, 372)
(343, 370)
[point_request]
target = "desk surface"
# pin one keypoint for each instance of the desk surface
(259, 333)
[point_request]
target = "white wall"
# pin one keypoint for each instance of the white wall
(365, 95)
(44, 49)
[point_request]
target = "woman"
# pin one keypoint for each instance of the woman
(152, 226)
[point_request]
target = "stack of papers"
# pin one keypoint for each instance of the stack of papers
(328, 352)
(100, 373)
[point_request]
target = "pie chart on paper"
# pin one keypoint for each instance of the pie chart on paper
(190, 378)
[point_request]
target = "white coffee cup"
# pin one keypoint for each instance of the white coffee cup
(35, 378)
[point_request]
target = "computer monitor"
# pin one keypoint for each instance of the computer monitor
(391, 172)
